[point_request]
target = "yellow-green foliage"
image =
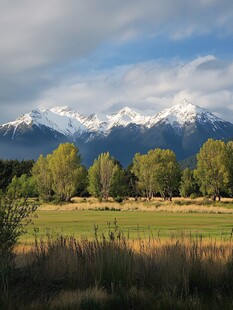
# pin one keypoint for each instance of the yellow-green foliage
(212, 173)
(157, 171)
(188, 184)
(64, 164)
(43, 176)
(100, 175)
(59, 172)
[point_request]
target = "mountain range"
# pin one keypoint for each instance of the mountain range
(182, 128)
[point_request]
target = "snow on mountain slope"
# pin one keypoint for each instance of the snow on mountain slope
(125, 117)
(66, 111)
(91, 123)
(69, 122)
(183, 113)
(61, 123)
(95, 124)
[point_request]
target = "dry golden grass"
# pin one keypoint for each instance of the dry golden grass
(113, 271)
(75, 298)
(198, 205)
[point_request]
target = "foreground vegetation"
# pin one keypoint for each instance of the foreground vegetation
(155, 260)
(113, 272)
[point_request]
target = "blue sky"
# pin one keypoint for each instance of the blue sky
(102, 55)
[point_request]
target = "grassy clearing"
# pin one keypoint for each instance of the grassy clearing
(136, 224)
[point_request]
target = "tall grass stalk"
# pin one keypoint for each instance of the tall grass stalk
(114, 272)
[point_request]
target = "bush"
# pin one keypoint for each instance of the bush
(14, 217)
(193, 195)
(119, 199)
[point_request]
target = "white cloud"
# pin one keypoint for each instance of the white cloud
(150, 87)
(36, 33)
(40, 37)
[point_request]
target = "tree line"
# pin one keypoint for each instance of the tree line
(60, 176)
(11, 168)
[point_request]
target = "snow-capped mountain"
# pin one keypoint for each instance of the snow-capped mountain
(57, 119)
(125, 117)
(182, 114)
(182, 128)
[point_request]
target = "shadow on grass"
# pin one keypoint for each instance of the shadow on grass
(113, 272)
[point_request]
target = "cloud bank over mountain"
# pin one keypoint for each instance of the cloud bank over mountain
(150, 87)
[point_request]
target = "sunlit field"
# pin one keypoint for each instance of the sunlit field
(85, 218)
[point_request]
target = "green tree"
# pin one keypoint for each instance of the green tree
(11, 168)
(229, 166)
(188, 184)
(119, 186)
(131, 181)
(15, 215)
(82, 185)
(144, 168)
(100, 176)
(167, 175)
(21, 187)
(43, 177)
(157, 171)
(64, 164)
(211, 173)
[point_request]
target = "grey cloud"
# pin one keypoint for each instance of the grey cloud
(37, 38)
(150, 87)
(37, 33)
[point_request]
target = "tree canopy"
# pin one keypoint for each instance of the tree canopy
(59, 172)
(100, 175)
(212, 173)
(157, 171)
(188, 184)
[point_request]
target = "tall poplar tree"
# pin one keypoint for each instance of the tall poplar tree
(212, 173)
(64, 164)
(167, 173)
(157, 171)
(188, 184)
(229, 166)
(100, 175)
(43, 176)
(144, 168)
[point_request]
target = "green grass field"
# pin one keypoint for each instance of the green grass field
(137, 224)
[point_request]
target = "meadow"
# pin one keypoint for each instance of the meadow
(84, 218)
(134, 255)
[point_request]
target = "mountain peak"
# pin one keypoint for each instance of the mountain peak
(60, 109)
(125, 117)
(68, 121)
(184, 105)
(184, 112)
(182, 128)
(185, 102)
(126, 110)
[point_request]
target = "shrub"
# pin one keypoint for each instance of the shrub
(14, 217)
(119, 199)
